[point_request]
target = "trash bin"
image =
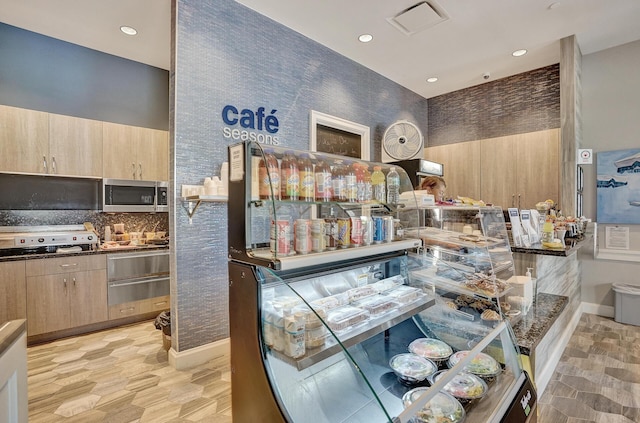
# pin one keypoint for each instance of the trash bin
(163, 322)
(627, 303)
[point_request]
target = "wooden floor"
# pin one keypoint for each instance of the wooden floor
(122, 375)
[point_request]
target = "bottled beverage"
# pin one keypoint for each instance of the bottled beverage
(378, 185)
(368, 190)
(323, 181)
(338, 182)
(269, 175)
(547, 231)
(393, 186)
(350, 183)
(307, 183)
(289, 177)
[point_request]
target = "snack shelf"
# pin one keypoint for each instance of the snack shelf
(358, 333)
(429, 277)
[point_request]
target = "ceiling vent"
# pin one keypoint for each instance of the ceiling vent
(418, 17)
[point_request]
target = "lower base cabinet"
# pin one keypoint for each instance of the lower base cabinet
(135, 308)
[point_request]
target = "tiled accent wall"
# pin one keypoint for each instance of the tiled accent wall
(522, 103)
(225, 54)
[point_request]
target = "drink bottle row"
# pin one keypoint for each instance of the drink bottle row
(301, 179)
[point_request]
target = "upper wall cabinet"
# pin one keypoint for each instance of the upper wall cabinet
(24, 136)
(40, 142)
(461, 167)
(131, 152)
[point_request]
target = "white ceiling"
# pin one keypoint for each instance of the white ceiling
(478, 37)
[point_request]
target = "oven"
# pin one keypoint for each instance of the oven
(136, 276)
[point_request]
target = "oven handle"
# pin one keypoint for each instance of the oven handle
(138, 282)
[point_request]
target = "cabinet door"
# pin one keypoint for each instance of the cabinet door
(24, 136)
(499, 171)
(13, 291)
(152, 152)
(538, 167)
(75, 146)
(88, 299)
(47, 303)
(461, 167)
(118, 153)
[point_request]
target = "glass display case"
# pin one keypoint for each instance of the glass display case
(349, 329)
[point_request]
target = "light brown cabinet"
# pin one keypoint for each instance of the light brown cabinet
(13, 291)
(461, 167)
(131, 152)
(24, 136)
(65, 292)
(75, 146)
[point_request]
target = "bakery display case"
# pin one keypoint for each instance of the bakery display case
(330, 317)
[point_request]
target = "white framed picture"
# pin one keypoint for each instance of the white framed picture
(334, 135)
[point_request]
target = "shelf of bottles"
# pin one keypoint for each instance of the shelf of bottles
(303, 203)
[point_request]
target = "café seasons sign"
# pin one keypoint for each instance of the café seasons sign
(250, 125)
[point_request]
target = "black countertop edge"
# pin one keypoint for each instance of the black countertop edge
(532, 327)
(11, 332)
(572, 246)
(84, 253)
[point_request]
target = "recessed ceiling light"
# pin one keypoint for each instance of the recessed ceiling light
(128, 30)
(432, 79)
(519, 53)
(365, 38)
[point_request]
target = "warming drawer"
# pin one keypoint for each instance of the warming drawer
(137, 276)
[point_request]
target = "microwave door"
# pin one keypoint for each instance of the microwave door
(129, 197)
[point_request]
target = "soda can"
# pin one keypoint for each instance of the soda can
(344, 232)
(318, 241)
(331, 233)
(356, 231)
(367, 230)
(378, 229)
(280, 239)
(302, 230)
(388, 228)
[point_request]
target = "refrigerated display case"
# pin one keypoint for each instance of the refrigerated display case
(321, 320)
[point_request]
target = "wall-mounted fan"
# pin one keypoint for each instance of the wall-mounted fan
(402, 141)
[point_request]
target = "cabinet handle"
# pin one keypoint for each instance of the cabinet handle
(513, 200)
(53, 165)
(68, 265)
(125, 310)
(133, 170)
(64, 283)
(44, 164)
(519, 195)
(160, 303)
(140, 170)
(74, 281)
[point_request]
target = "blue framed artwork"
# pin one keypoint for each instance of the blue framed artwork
(618, 186)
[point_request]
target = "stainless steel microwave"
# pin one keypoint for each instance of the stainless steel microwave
(123, 195)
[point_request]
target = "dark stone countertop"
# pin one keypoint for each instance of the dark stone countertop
(572, 246)
(532, 327)
(10, 331)
(85, 253)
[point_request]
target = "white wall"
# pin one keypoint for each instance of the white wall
(611, 121)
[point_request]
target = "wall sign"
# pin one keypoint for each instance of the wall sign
(260, 125)
(585, 156)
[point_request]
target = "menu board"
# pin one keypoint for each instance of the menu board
(336, 141)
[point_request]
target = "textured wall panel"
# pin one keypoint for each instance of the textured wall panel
(526, 102)
(228, 54)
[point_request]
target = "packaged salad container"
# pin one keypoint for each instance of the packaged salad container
(442, 408)
(482, 365)
(465, 387)
(433, 349)
(411, 368)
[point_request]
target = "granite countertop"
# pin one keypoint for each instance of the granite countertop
(9, 332)
(532, 327)
(572, 246)
(85, 253)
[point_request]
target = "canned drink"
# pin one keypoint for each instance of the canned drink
(344, 232)
(318, 242)
(367, 230)
(388, 228)
(302, 243)
(331, 233)
(280, 239)
(356, 231)
(378, 229)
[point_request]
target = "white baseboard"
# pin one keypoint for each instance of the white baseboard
(544, 376)
(199, 355)
(598, 309)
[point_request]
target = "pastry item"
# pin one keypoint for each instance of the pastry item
(360, 292)
(375, 305)
(404, 294)
(344, 317)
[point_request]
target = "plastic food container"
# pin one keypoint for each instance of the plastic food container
(433, 349)
(465, 387)
(482, 365)
(356, 294)
(329, 303)
(442, 408)
(311, 319)
(376, 305)
(411, 368)
(344, 317)
(387, 284)
(405, 294)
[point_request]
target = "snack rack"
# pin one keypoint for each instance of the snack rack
(313, 329)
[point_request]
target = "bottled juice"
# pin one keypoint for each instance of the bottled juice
(289, 177)
(368, 190)
(350, 183)
(307, 182)
(378, 185)
(338, 182)
(323, 181)
(269, 175)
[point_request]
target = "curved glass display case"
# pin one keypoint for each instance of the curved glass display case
(351, 330)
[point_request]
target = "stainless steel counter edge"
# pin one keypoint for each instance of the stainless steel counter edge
(83, 253)
(10, 331)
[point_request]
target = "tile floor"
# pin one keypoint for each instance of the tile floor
(122, 376)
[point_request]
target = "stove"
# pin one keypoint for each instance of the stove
(26, 240)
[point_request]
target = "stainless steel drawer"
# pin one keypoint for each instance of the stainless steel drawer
(137, 289)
